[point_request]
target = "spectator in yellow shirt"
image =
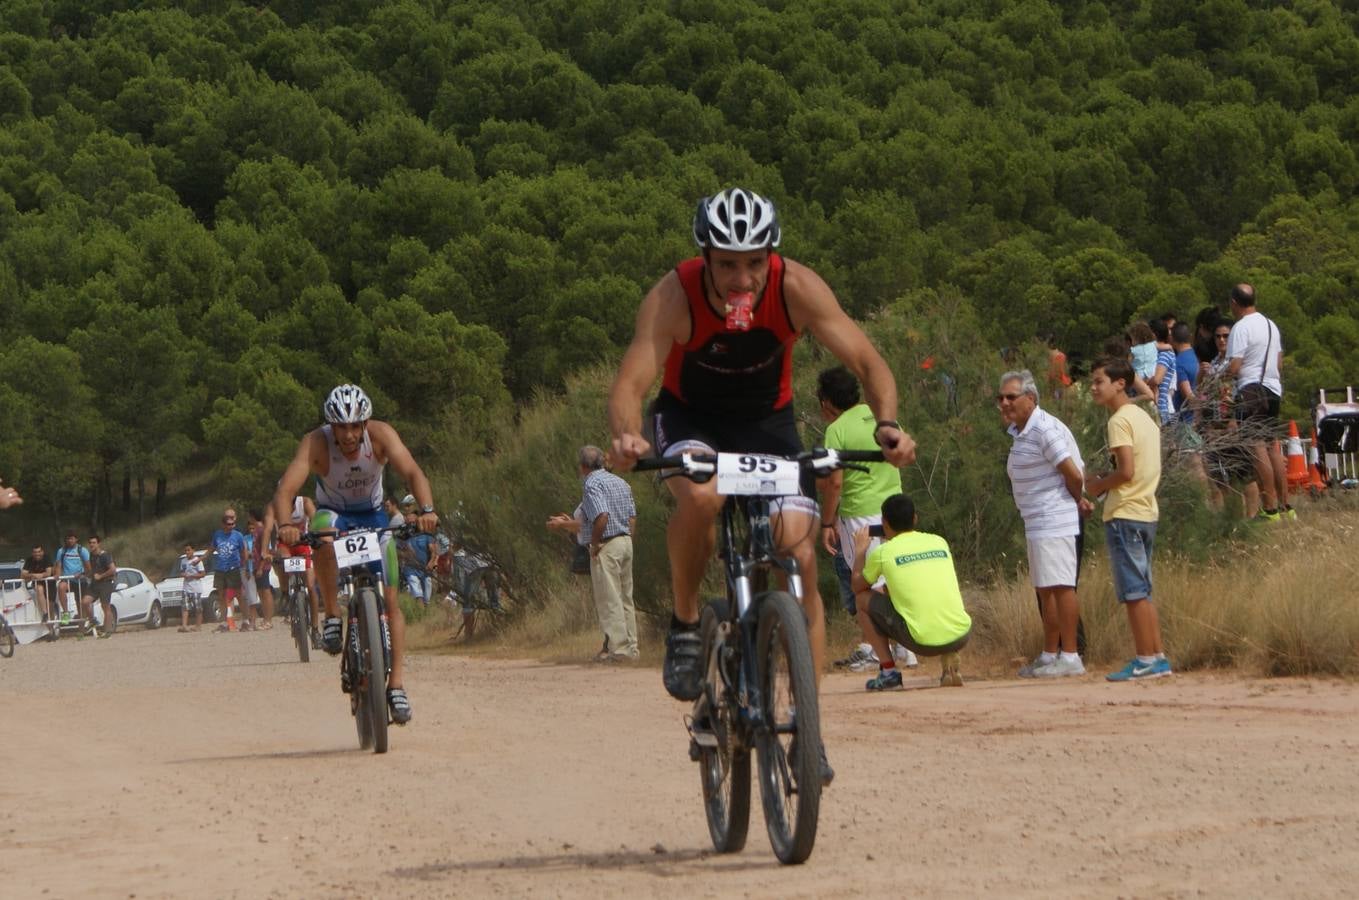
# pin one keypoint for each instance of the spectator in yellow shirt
(922, 608)
(1130, 513)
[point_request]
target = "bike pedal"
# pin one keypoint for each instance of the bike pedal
(694, 753)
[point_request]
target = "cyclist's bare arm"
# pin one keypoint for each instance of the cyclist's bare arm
(387, 443)
(662, 320)
(268, 532)
(304, 463)
(812, 305)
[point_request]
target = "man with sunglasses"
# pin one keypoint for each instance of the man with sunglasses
(1047, 476)
(229, 559)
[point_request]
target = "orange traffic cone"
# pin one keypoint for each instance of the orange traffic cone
(1318, 483)
(1297, 462)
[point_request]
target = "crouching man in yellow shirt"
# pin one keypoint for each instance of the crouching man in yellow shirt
(922, 607)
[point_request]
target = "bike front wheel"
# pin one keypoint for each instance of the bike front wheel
(371, 680)
(7, 640)
(723, 758)
(789, 746)
(301, 616)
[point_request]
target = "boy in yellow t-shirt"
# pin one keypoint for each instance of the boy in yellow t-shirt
(923, 607)
(1130, 513)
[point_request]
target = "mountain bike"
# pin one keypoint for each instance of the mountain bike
(366, 660)
(759, 684)
(298, 604)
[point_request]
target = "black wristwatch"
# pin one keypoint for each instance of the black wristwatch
(884, 423)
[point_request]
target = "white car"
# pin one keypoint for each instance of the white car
(172, 590)
(135, 601)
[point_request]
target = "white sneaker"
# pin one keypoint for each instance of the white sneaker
(903, 656)
(860, 652)
(1060, 668)
(863, 659)
(1029, 669)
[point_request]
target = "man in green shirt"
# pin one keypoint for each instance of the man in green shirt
(922, 607)
(852, 499)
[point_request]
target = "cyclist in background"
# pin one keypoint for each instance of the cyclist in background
(348, 455)
(303, 511)
(721, 326)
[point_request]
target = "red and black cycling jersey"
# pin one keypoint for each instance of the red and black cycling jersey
(733, 373)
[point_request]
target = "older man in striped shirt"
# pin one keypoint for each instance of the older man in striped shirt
(608, 516)
(1047, 477)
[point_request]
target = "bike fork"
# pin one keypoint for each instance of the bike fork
(386, 642)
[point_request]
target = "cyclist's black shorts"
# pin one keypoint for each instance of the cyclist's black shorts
(679, 428)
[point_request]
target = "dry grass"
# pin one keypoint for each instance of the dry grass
(155, 546)
(565, 631)
(1286, 603)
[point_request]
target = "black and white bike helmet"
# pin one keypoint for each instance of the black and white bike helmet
(736, 219)
(347, 404)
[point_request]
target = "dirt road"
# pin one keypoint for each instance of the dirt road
(159, 764)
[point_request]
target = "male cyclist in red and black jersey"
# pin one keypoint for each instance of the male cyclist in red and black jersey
(722, 326)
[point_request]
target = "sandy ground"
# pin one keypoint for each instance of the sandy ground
(158, 764)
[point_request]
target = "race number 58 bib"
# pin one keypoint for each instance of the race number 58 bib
(357, 548)
(748, 474)
(295, 564)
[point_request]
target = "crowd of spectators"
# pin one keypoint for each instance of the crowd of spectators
(1204, 397)
(66, 585)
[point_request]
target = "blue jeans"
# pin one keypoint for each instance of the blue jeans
(419, 583)
(843, 574)
(1130, 548)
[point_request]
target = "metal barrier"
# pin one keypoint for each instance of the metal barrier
(19, 601)
(1336, 425)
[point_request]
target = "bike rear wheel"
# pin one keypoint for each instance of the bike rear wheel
(7, 640)
(724, 769)
(301, 616)
(789, 749)
(371, 681)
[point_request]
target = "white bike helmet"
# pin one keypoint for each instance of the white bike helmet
(736, 219)
(347, 404)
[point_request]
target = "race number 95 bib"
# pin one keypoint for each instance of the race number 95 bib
(751, 474)
(357, 548)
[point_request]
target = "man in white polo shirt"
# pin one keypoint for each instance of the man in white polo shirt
(1047, 477)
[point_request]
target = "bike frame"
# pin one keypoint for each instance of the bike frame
(744, 566)
(362, 577)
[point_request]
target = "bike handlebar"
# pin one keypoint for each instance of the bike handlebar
(315, 539)
(820, 460)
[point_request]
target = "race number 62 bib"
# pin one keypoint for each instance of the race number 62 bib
(748, 474)
(357, 548)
